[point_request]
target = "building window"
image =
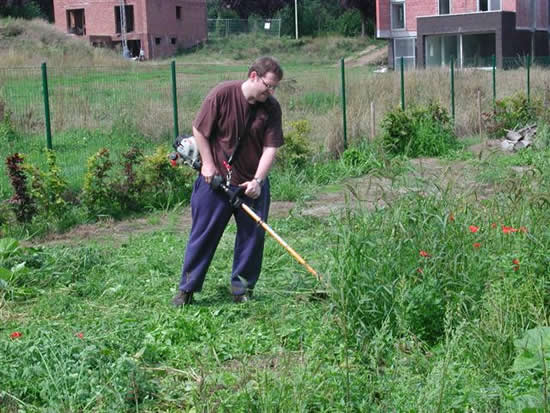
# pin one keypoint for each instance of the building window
(444, 6)
(157, 40)
(76, 22)
(178, 12)
(489, 5)
(173, 40)
(128, 17)
(398, 15)
(404, 48)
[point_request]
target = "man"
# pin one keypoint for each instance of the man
(238, 130)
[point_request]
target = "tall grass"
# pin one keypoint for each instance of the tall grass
(400, 331)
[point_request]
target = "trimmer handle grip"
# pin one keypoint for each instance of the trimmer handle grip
(234, 195)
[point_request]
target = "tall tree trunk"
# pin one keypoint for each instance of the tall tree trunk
(363, 25)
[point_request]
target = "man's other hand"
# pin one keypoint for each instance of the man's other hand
(252, 189)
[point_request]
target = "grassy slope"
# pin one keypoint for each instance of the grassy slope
(29, 43)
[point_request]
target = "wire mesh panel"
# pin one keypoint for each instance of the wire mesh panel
(218, 28)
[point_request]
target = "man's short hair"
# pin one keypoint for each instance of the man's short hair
(266, 64)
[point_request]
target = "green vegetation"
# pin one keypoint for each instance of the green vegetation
(418, 131)
(435, 290)
(429, 305)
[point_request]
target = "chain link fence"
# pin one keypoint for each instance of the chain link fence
(116, 108)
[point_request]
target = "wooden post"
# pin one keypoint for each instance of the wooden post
(372, 121)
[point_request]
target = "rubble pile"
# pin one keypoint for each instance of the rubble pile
(519, 139)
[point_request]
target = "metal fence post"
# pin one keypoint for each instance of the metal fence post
(528, 79)
(402, 84)
(175, 99)
(494, 80)
(46, 96)
(342, 67)
(453, 88)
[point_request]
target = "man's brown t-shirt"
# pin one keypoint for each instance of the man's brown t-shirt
(223, 118)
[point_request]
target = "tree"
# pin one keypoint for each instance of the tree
(367, 8)
(27, 9)
(5, 4)
(264, 8)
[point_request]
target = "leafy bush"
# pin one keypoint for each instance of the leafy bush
(145, 182)
(163, 184)
(418, 131)
(48, 188)
(128, 186)
(510, 113)
(97, 194)
(296, 150)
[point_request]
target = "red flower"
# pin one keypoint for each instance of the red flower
(451, 217)
(515, 261)
(80, 335)
(507, 230)
(516, 267)
(493, 225)
(424, 254)
(473, 228)
(15, 335)
(477, 244)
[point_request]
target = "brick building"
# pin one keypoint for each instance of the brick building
(159, 27)
(431, 32)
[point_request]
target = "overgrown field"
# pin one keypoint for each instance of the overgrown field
(434, 293)
(435, 303)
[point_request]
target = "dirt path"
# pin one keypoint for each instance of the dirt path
(425, 176)
(372, 55)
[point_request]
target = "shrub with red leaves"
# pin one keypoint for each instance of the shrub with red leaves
(21, 202)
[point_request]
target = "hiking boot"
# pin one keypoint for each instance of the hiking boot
(182, 298)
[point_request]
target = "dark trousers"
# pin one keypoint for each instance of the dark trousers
(210, 212)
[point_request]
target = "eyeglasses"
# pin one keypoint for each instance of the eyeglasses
(270, 87)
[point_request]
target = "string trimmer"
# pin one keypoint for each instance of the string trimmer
(187, 153)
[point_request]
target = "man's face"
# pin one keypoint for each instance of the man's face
(264, 85)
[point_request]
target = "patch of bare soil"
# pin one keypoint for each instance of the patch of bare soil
(427, 176)
(372, 55)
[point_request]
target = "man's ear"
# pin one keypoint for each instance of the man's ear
(253, 75)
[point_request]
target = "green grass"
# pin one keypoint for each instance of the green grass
(399, 331)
